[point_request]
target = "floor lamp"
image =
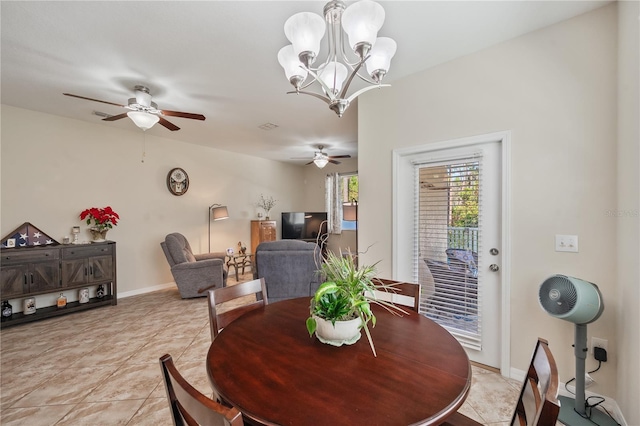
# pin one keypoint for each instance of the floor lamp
(216, 212)
(350, 213)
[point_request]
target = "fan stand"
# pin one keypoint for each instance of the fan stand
(573, 411)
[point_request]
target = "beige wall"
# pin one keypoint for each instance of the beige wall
(54, 167)
(627, 221)
(555, 90)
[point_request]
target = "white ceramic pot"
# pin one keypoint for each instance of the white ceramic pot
(343, 333)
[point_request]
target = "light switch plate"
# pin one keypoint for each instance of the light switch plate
(567, 243)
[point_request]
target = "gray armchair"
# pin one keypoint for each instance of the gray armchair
(194, 274)
(289, 268)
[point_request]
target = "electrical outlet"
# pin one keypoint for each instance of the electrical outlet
(567, 243)
(599, 343)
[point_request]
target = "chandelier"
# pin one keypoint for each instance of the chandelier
(361, 21)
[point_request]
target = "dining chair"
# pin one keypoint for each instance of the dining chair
(538, 402)
(219, 320)
(190, 407)
(409, 290)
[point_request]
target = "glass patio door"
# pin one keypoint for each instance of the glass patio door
(457, 224)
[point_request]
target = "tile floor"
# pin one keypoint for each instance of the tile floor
(100, 367)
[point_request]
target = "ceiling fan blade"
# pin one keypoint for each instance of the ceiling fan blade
(340, 156)
(334, 161)
(115, 117)
(310, 162)
(168, 124)
(182, 114)
(95, 100)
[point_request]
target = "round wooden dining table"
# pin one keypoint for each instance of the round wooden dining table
(265, 364)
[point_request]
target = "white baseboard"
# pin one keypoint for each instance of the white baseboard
(609, 403)
(146, 290)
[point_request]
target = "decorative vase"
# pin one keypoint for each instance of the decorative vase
(98, 234)
(343, 333)
(29, 306)
(7, 309)
(83, 295)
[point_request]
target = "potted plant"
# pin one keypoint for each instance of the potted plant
(103, 220)
(266, 204)
(341, 307)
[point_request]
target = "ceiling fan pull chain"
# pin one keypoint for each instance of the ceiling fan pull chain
(144, 146)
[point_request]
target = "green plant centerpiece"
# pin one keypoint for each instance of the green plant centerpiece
(342, 304)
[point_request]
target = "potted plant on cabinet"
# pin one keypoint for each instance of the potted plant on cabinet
(103, 220)
(341, 307)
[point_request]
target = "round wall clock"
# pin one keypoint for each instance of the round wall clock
(177, 181)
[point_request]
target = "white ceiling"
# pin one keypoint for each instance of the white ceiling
(218, 58)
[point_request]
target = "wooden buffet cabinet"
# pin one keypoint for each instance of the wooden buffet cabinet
(261, 231)
(32, 271)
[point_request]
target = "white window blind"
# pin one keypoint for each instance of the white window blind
(448, 238)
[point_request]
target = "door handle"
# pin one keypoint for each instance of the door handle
(494, 268)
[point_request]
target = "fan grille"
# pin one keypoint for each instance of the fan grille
(558, 295)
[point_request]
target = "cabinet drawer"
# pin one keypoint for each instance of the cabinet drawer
(13, 256)
(84, 252)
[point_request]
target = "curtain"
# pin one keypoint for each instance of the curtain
(333, 202)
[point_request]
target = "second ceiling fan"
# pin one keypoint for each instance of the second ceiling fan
(143, 112)
(321, 158)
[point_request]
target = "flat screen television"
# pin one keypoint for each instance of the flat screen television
(303, 225)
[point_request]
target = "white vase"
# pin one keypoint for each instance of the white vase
(343, 333)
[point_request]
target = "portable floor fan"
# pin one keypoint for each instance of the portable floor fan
(579, 302)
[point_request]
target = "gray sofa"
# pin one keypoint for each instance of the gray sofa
(194, 274)
(289, 268)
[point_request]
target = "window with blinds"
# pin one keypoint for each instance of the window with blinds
(448, 223)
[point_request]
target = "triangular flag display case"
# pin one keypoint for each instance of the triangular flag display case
(27, 235)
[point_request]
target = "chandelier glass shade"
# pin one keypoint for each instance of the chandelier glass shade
(361, 22)
(144, 120)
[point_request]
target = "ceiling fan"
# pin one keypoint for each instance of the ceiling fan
(321, 158)
(144, 113)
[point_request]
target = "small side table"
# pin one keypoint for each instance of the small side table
(238, 261)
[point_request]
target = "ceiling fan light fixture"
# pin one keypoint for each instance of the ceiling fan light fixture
(320, 162)
(143, 120)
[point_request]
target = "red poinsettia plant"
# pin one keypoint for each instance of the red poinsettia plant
(104, 218)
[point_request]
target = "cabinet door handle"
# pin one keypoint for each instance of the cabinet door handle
(91, 270)
(85, 270)
(25, 279)
(31, 278)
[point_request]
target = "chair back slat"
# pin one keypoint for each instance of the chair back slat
(218, 320)
(408, 290)
(538, 402)
(189, 406)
